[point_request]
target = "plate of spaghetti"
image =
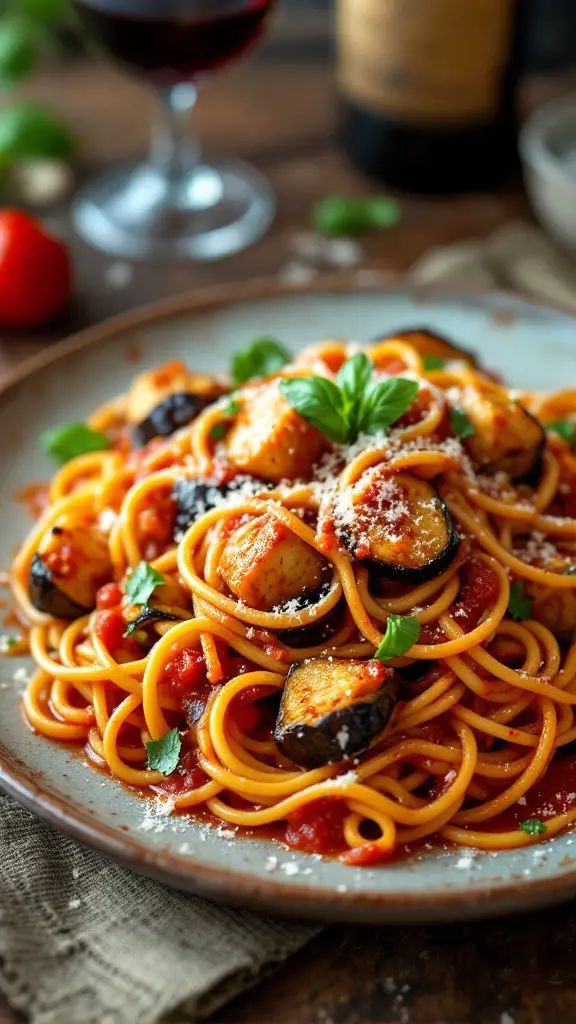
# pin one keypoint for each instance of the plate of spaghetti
(294, 624)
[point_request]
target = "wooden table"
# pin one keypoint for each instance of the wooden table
(282, 118)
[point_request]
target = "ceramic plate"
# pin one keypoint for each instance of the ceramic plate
(532, 346)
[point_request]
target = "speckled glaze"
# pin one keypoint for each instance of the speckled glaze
(532, 346)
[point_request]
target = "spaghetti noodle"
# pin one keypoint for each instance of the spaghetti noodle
(174, 590)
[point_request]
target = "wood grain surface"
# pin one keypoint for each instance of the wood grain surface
(282, 117)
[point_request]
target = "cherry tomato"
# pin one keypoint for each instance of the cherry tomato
(35, 274)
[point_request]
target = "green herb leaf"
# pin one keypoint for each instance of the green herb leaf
(354, 377)
(565, 429)
(68, 440)
(259, 359)
(519, 606)
(11, 642)
(461, 425)
(402, 632)
(432, 362)
(163, 754)
(341, 215)
(17, 51)
(43, 10)
(320, 403)
(385, 403)
(28, 132)
(532, 827)
(219, 429)
(142, 583)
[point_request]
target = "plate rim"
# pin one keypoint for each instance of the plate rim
(232, 885)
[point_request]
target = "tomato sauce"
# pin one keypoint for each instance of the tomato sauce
(478, 593)
(553, 794)
(317, 827)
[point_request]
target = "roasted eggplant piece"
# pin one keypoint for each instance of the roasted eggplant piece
(398, 524)
(196, 496)
(507, 438)
(331, 710)
(428, 343)
(268, 438)
(68, 569)
(164, 400)
(265, 565)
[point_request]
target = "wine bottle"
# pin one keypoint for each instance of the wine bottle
(428, 90)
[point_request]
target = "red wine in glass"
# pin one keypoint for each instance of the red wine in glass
(179, 203)
(174, 42)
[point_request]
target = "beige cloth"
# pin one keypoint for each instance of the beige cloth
(83, 941)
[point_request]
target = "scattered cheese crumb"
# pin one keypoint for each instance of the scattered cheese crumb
(271, 863)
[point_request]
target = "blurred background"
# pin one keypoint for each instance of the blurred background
(371, 133)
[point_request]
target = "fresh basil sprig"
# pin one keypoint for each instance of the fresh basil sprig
(355, 404)
(163, 754)
(68, 440)
(260, 358)
(142, 583)
(402, 632)
(219, 429)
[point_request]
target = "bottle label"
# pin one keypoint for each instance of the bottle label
(425, 61)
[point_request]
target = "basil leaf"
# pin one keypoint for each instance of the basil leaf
(354, 376)
(402, 632)
(219, 429)
(532, 827)
(565, 429)
(259, 359)
(320, 403)
(163, 754)
(432, 362)
(28, 132)
(142, 583)
(43, 10)
(68, 440)
(519, 606)
(342, 215)
(460, 423)
(17, 51)
(385, 403)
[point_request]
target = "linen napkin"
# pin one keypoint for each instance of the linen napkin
(82, 939)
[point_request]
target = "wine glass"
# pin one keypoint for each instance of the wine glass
(175, 205)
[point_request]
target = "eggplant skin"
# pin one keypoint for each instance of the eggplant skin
(173, 412)
(428, 343)
(197, 496)
(46, 596)
(312, 736)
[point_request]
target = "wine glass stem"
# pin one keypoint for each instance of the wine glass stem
(174, 152)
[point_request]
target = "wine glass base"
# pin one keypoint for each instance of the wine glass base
(211, 211)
